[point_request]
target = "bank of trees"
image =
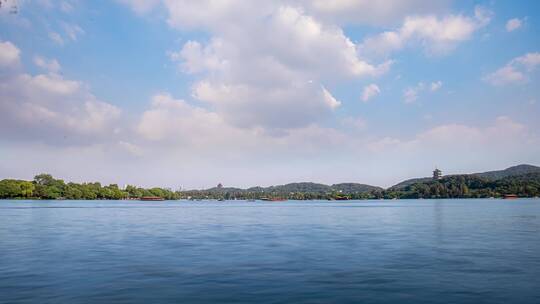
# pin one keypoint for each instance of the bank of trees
(456, 186)
(470, 186)
(44, 186)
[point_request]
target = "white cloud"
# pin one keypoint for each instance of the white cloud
(435, 35)
(502, 131)
(277, 82)
(530, 60)
(435, 86)
(203, 13)
(51, 65)
(411, 94)
(356, 123)
(503, 140)
(371, 12)
(514, 72)
(370, 91)
(53, 84)
(330, 100)
(132, 149)
(56, 38)
(9, 54)
(284, 107)
(140, 6)
(73, 31)
(174, 120)
(51, 108)
(506, 75)
(195, 58)
(194, 131)
(513, 24)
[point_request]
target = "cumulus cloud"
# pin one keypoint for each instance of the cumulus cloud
(330, 100)
(130, 148)
(435, 86)
(530, 61)
(192, 131)
(436, 35)
(514, 72)
(370, 91)
(513, 24)
(411, 94)
(355, 123)
(501, 139)
(279, 82)
(140, 6)
(50, 65)
(174, 120)
(371, 12)
(70, 32)
(9, 54)
(51, 108)
(338, 11)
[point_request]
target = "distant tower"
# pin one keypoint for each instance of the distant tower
(437, 174)
(220, 186)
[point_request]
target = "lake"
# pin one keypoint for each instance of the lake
(404, 251)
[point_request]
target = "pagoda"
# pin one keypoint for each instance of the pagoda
(437, 174)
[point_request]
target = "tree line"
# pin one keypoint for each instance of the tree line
(44, 186)
(470, 186)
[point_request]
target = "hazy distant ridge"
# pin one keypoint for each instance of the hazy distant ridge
(512, 171)
(304, 187)
(489, 175)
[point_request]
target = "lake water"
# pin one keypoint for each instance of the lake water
(407, 251)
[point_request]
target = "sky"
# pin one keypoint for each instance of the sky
(189, 94)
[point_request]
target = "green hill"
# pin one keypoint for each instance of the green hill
(489, 175)
(302, 187)
(409, 182)
(512, 171)
(354, 188)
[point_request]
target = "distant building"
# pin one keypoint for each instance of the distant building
(437, 174)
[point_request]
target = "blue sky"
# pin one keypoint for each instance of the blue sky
(192, 93)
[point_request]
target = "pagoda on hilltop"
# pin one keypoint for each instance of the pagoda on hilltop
(437, 174)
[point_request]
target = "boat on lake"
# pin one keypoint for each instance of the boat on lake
(510, 196)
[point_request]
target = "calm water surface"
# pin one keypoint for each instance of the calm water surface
(418, 251)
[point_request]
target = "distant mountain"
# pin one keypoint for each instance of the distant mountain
(300, 187)
(409, 182)
(224, 190)
(490, 175)
(351, 188)
(304, 187)
(512, 171)
(354, 188)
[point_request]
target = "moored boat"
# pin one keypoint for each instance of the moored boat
(510, 196)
